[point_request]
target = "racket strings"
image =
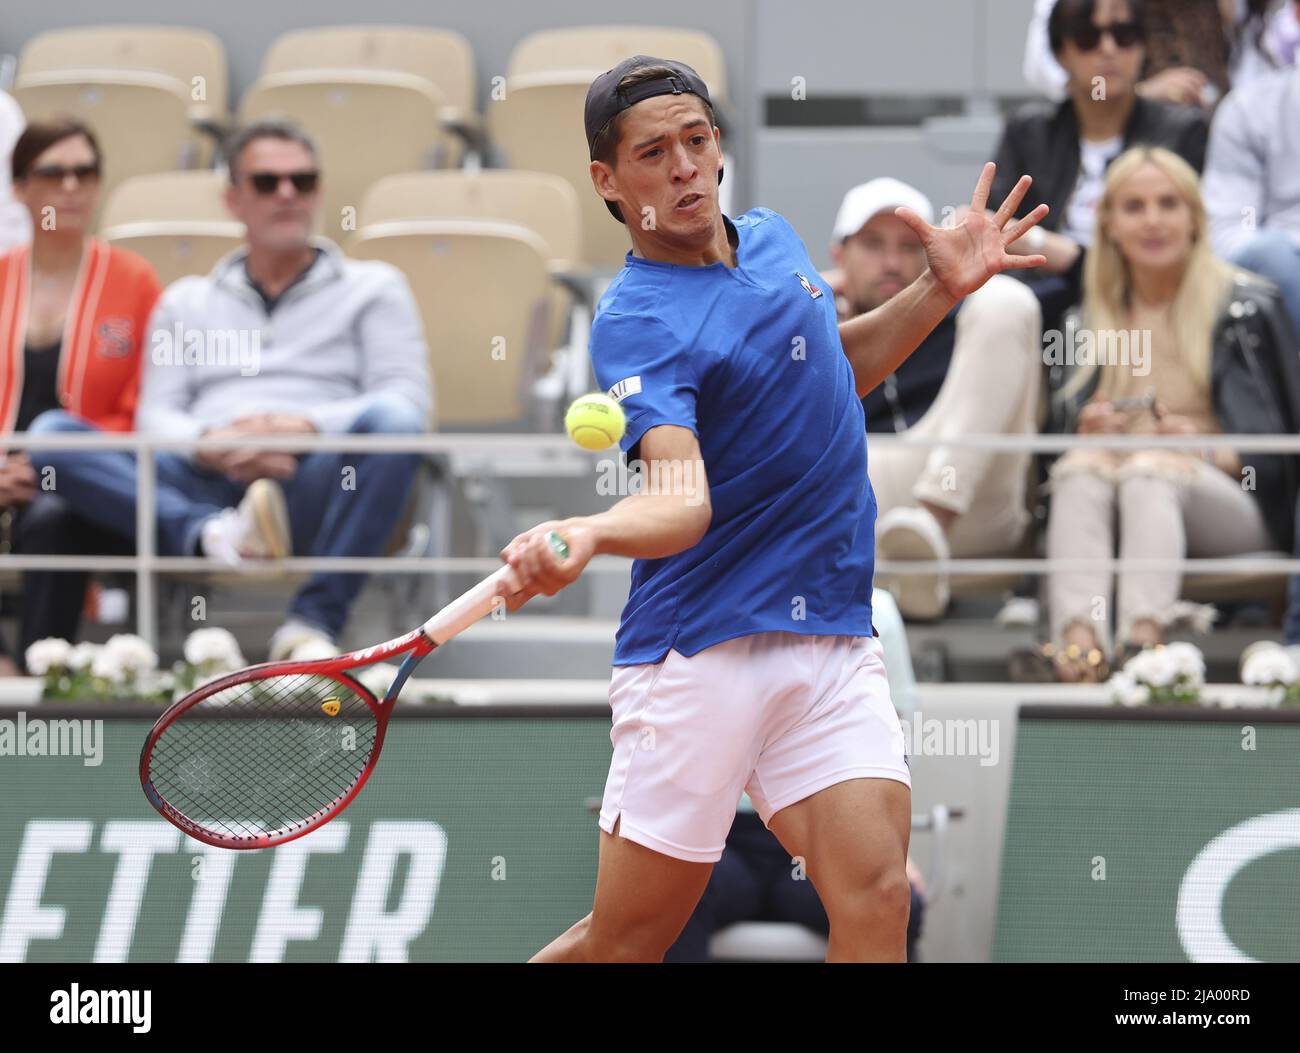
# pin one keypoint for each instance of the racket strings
(264, 756)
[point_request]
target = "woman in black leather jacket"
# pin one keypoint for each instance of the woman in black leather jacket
(1169, 340)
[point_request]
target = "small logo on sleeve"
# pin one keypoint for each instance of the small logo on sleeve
(624, 388)
(808, 286)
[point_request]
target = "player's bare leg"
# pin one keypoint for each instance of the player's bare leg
(853, 839)
(643, 901)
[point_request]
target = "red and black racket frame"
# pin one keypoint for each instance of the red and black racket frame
(417, 642)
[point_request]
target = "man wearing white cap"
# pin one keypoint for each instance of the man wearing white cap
(976, 373)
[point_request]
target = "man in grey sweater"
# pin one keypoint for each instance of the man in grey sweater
(286, 336)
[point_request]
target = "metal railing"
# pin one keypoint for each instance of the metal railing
(524, 455)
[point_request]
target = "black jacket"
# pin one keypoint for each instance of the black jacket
(1042, 140)
(1254, 390)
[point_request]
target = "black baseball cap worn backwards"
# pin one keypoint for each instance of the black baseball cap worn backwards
(605, 100)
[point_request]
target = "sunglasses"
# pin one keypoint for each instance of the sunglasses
(269, 182)
(58, 173)
(1087, 35)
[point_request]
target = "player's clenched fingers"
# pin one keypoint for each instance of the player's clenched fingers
(544, 566)
(516, 600)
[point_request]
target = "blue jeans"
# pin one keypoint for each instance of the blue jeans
(1275, 256)
(53, 599)
(325, 517)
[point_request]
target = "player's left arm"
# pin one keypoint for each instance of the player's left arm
(961, 259)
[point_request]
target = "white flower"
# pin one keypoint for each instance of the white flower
(108, 666)
(1127, 691)
(47, 654)
(129, 653)
(376, 678)
(1154, 667)
(1269, 665)
(215, 649)
(1188, 661)
(83, 656)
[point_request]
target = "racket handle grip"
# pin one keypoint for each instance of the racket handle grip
(478, 602)
(469, 607)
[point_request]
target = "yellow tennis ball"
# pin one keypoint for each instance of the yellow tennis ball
(595, 422)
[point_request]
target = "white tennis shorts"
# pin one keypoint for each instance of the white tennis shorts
(778, 715)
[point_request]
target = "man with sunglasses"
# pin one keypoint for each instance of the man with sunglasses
(1067, 147)
(286, 336)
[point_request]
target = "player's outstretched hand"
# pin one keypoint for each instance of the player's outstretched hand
(963, 257)
(539, 567)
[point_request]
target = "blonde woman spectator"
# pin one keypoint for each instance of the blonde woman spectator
(1209, 351)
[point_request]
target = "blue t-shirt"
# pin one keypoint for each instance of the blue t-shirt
(750, 360)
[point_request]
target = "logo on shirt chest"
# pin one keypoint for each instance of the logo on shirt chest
(113, 338)
(808, 286)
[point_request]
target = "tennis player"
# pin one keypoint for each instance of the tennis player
(746, 660)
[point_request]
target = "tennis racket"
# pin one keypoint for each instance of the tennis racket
(269, 753)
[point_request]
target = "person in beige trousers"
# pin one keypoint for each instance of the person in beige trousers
(937, 502)
(1151, 272)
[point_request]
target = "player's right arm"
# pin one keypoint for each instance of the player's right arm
(670, 514)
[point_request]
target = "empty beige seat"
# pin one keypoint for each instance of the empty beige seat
(538, 126)
(366, 124)
(598, 48)
(193, 57)
(175, 220)
(482, 289)
(544, 203)
(438, 55)
(141, 120)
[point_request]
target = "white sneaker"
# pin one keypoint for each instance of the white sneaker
(1018, 612)
(914, 534)
(297, 641)
(257, 529)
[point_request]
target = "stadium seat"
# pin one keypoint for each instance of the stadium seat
(594, 49)
(538, 126)
(543, 203)
(366, 124)
(1230, 587)
(483, 290)
(194, 57)
(441, 56)
(141, 119)
(175, 220)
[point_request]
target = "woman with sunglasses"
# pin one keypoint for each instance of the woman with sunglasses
(1196, 49)
(1067, 147)
(73, 314)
